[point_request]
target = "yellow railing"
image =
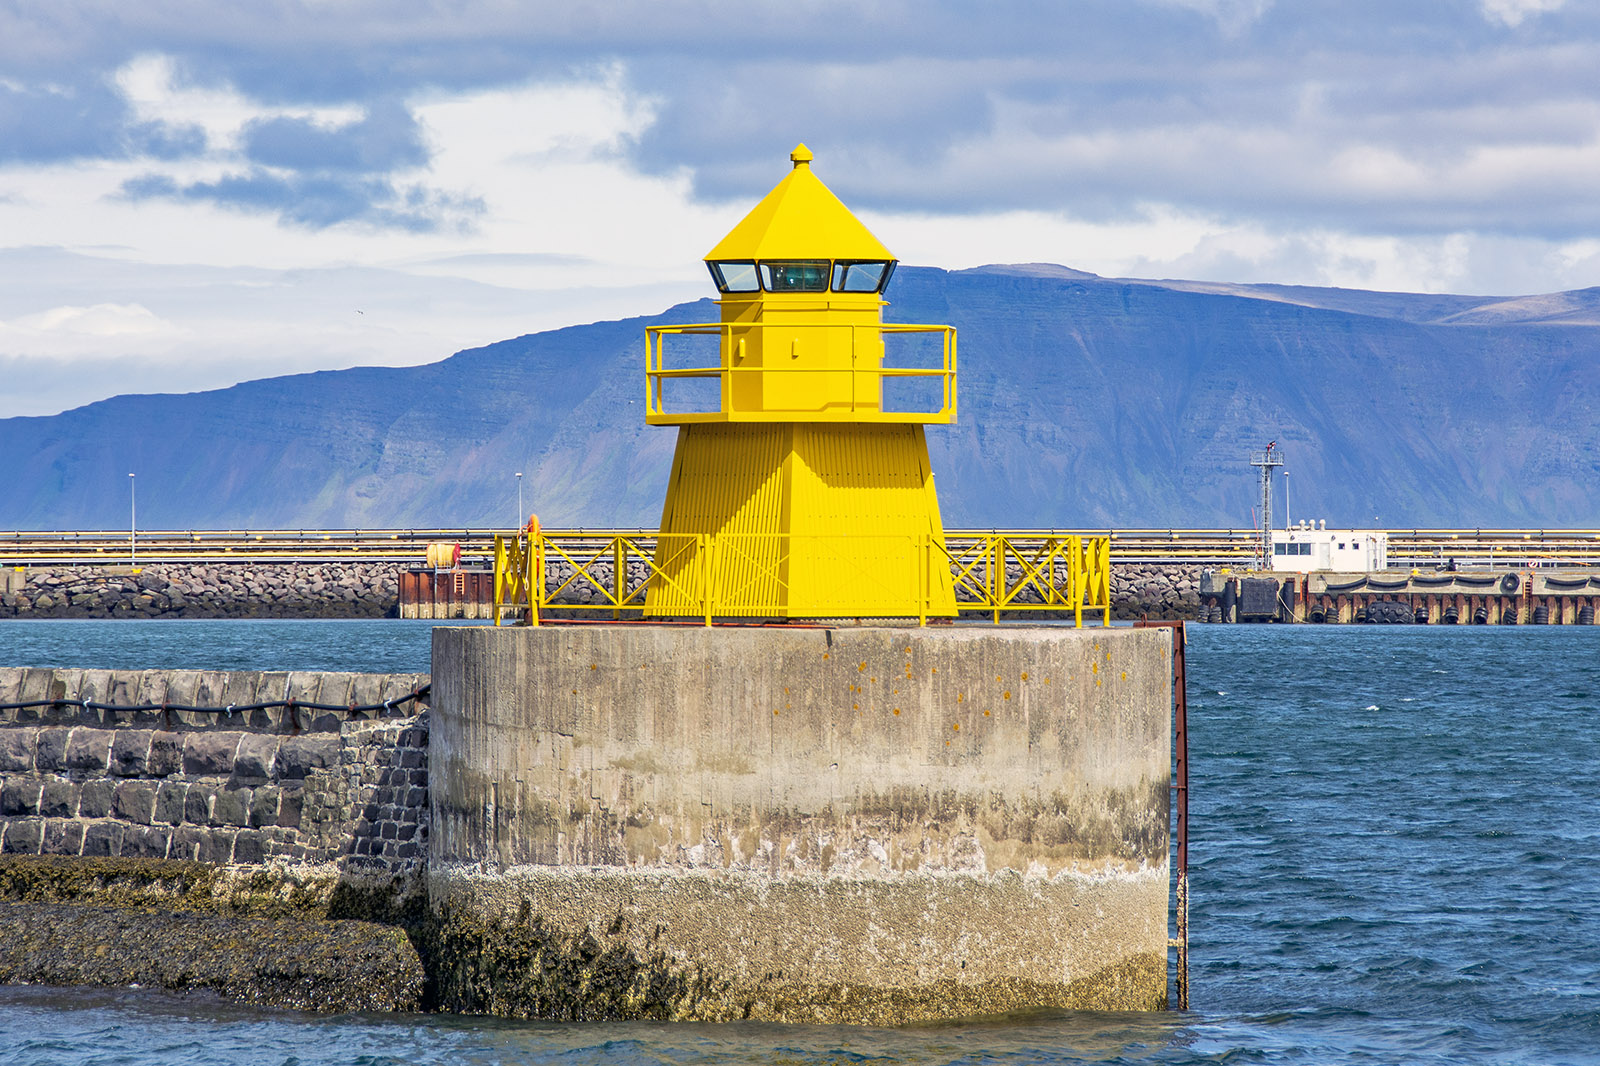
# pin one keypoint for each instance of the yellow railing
(518, 572)
(854, 410)
(999, 573)
(708, 577)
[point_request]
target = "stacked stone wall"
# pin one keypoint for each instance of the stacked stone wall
(268, 785)
(1157, 590)
(206, 590)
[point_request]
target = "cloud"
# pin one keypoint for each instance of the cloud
(100, 320)
(572, 149)
(76, 328)
(83, 120)
(319, 200)
(386, 138)
(1351, 114)
(1233, 16)
(1514, 12)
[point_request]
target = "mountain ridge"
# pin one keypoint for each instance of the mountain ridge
(1084, 402)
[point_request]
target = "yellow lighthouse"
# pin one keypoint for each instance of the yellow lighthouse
(800, 487)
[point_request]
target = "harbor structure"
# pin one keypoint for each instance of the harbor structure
(1265, 461)
(1312, 546)
(1309, 573)
(840, 817)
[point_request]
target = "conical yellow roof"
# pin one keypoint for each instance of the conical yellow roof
(800, 219)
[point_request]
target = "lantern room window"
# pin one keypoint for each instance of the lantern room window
(795, 275)
(735, 276)
(862, 276)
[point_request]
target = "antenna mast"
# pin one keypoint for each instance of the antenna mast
(1266, 461)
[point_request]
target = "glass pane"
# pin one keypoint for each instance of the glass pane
(795, 275)
(734, 277)
(861, 277)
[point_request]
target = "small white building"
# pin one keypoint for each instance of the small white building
(1314, 546)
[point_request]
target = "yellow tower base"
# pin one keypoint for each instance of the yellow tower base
(853, 506)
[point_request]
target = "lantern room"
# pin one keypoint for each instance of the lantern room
(801, 337)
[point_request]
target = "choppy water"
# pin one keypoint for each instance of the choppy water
(1393, 859)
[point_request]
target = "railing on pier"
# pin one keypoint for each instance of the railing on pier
(1475, 548)
(739, 576)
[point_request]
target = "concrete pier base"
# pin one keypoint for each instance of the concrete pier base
(823, 825)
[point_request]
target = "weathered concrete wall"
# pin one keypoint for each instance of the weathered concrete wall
(249, 788)
(866, 825)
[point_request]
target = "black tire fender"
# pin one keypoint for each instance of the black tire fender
(1509, 583)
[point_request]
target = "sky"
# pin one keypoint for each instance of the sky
(194, 193)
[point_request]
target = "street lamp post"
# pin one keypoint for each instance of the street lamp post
(518, 523)
(133, 526)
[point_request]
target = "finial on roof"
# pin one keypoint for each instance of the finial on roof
(801, 156)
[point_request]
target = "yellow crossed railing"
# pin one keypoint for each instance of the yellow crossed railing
(998, 573)
(710, 577)
(514, 570)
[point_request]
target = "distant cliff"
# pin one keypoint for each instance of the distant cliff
(1083, 402)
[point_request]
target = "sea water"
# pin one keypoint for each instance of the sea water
(1394, 837)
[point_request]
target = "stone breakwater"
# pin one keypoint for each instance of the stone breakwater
(210, 590)
(372, 590)
(1159, 590)
(217, 787)
(263, 855)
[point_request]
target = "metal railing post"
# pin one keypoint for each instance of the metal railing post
(997, 574)
(708, 544)
(499, 574)
(533, 575)
(619, 576)
(1080, 579)
(1105, 574)
(923, 589)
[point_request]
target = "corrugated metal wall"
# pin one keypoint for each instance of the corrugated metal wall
(810, 520)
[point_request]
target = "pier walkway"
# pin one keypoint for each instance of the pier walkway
(1479, 548)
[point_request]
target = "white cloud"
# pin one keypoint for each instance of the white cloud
(151, 85)
(1296, 150)
(100, 320)
(1233, 16)
(1514, 12)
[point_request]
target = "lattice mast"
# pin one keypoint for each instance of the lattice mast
(1266, 462)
